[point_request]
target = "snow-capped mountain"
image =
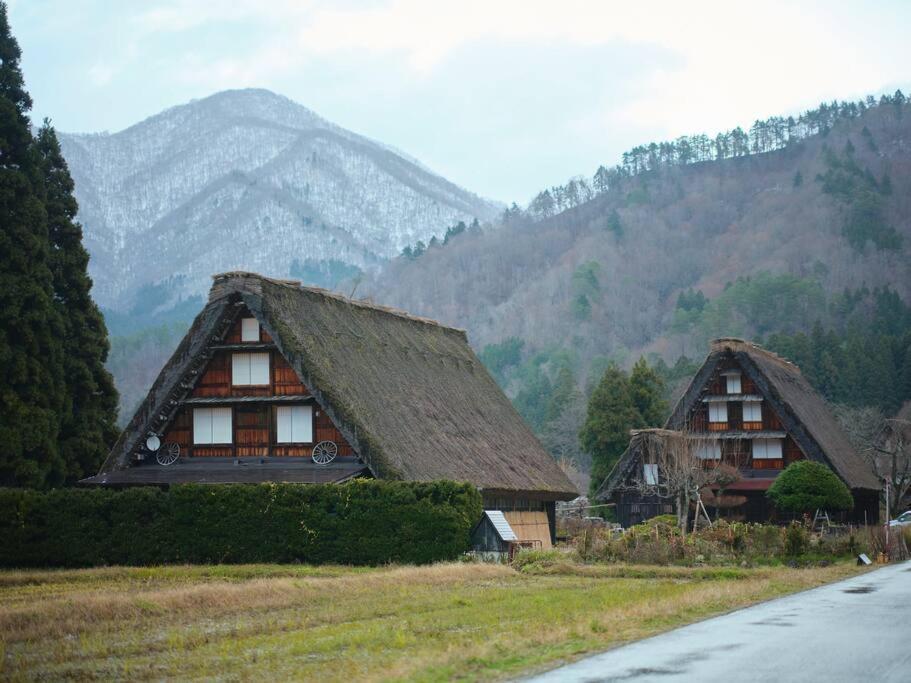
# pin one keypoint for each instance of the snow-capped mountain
(246, 179)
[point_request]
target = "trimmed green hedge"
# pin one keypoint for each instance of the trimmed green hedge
(360, 522)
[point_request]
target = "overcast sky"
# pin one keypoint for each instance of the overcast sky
(504, 98)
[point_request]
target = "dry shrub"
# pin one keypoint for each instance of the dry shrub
(659, 542)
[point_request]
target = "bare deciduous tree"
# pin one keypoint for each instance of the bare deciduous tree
(884, 443)
(672, 468)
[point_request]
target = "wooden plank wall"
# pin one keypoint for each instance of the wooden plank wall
(530, 526)
(254, 425)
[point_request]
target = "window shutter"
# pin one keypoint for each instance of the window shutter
(221, 425)
(294, 424)
(733, 384)
(767, 449)
(752, 411)
(259, 368)
(718, 412)
(240, 369)
(650, 474)
(202, 426)
(302, 424)
(710, 451)
(249, 330)
(283, 431)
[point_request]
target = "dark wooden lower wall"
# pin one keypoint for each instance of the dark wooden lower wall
(633, 508)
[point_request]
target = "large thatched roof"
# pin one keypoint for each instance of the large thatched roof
(407, 393)
(803, 412)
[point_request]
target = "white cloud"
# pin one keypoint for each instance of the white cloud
(556, 88)
(733, 56)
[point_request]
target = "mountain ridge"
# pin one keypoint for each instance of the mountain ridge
(177, 196)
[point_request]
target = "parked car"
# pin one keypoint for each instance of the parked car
(904, 519)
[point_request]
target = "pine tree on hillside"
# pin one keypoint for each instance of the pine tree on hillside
(611, 414)
(563, 389)
(31, 357)
(88, 424)
(647, 392)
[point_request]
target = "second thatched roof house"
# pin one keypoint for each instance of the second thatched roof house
(279, 382)
(756, 412)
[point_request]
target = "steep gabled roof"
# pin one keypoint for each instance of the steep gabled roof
(630, 459)
(803, 412)
(407, 393)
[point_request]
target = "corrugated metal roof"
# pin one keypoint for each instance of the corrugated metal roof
(504, 531)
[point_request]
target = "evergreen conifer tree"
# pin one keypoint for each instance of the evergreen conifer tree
(31, 357)
(647, 393)
(88, 422)
(611, 414)
(563, 389)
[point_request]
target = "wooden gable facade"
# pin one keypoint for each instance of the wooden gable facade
(753, 411)
(254, 397)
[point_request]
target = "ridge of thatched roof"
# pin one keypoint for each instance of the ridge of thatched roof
(407, 393)
(805, 414)
(225, 283)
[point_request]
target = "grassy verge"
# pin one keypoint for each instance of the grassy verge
(329, 623)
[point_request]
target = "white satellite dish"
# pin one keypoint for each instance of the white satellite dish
(153, 443)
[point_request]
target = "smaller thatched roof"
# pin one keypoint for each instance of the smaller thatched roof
(629, 461)
(804, 413)
(407, 393)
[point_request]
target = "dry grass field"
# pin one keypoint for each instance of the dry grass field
(271, 622)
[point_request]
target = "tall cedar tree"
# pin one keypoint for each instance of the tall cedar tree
(31, 354)
(88, 423)
(618, 404)
(647, 392)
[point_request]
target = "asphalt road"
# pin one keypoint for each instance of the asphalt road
(854, 630)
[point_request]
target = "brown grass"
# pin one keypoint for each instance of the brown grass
(462, 621)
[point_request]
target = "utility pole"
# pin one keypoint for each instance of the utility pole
(888, 515)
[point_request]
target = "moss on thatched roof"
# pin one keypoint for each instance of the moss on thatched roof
(408, 393)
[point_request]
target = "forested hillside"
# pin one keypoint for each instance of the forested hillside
(799, 222)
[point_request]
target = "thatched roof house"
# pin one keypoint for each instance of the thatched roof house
(757, 412)
(271, 371)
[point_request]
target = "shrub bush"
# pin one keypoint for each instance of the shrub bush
(806, 486)
(360, 522)
(796, 539)
(723, 543)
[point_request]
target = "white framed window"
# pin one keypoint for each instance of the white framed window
(718, 411)
(733, 382)
(709, 451)
(650, 474)
(767, 449)
(249, 330)
(249, 369)
(294, 424)
(752, 411)
(211, 425)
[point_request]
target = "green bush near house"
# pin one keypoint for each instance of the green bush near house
(359, 523)
(806, 486)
